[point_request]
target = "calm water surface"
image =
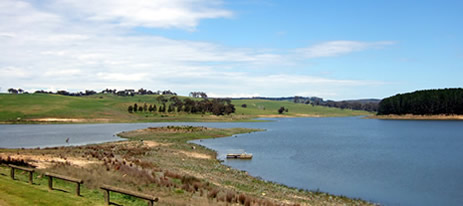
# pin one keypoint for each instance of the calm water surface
(389, 162)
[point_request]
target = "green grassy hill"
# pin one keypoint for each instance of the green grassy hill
(25, 108)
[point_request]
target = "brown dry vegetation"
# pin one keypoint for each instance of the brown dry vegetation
(159, 161)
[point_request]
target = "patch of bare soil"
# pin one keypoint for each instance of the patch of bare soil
(67, 120)
(418, 117)
(145, 143)
(286, 116)
(45, 161)
(195, 155)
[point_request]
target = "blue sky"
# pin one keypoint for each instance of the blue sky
(331, 49)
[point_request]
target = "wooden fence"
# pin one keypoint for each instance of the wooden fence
(106, 188)
(30, 170)
(70, 179)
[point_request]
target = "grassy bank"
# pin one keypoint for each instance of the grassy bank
(49, 108)
(160, 161)
(416, 117)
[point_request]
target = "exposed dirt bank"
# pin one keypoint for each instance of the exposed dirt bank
(417, 117)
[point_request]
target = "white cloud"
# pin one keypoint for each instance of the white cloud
(14, 72)
(233, 95)
(60, 73)
(7, 35)
(121, 76)
(147, 13)
(336, 48)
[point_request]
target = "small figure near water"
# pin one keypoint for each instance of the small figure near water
(67, 140)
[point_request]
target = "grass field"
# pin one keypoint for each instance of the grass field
(26, 108)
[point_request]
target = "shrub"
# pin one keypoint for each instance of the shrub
(229, 196)
(242, 198)
(248, 202)
(170, 174)
(213, 193)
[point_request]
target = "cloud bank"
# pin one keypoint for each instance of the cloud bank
(83, 44)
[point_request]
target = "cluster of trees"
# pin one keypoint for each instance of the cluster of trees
(66, 93)
(43, 92)
(282, 109)
(175, 104)
(141, 91)
(198, 95)
(16, 91)
(424, 102)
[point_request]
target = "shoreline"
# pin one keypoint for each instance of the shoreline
(237, 118)
(416, 117)
(172, 157)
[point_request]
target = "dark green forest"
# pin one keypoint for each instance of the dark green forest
(424, 102)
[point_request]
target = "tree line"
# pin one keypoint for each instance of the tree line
(370, 106)
(141, 91)
(424, 102)
(198, 95)
(125, 92)
(187, 105)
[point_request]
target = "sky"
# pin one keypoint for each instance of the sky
(334, 49)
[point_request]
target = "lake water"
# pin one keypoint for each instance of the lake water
(383, 161)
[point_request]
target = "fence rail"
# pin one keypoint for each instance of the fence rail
(30, 170)
(107, 189)
(70, 179)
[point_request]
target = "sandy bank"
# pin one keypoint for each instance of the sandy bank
(72, 120)
(416, 117)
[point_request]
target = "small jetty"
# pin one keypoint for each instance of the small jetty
(239, 156)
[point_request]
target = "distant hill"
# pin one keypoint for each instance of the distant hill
(370, 105)
(109, 107)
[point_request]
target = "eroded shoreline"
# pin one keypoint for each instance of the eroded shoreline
(416, 117)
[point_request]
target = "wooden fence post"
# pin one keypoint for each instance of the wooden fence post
(12, 173)
(106, 196)
(50, 182)
(31, 175)
(78, 189)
